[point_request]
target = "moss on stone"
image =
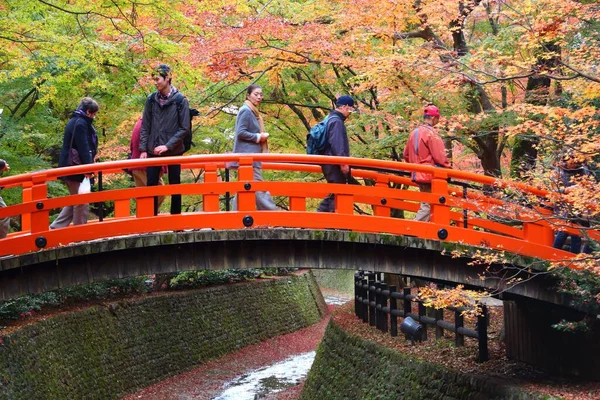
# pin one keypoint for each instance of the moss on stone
(107, 352)
(349, 367)
(353, 236)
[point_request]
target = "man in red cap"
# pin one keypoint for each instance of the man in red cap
(425, 146)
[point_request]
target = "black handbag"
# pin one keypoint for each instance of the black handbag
(74, 158)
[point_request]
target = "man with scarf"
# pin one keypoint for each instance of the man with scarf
(165, 124)
(80, 145)
(250, 137)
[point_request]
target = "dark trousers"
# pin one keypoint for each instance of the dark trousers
(333, 174)
(174, 174)
(561, 238)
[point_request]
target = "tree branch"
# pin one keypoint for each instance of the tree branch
(220, 108)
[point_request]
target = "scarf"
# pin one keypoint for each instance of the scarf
(264, 146)
(162, 99)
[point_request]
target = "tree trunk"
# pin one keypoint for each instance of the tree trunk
(488, 144)
(524, 153)
(490, 161)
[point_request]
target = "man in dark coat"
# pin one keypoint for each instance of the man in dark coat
(165, 124)
(81, 137)
(337, 145)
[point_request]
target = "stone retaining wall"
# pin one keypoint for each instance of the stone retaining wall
(349, 367)
(105, 352)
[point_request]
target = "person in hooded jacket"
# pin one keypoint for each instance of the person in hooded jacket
(165, 124)
(79, 135)
(426, 147)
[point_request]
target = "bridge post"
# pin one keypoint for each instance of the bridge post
(210, 202)
(297, 203)
(538, 233)
(382, 210)
(246, 200)
(39, 192)
(144, 207)
(344, 203)
(26, 196)
(227, 195)
(122, 208)
(101, 205)
(440, 212)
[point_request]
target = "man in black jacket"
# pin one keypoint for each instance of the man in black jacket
(337, 145)
(166, 122)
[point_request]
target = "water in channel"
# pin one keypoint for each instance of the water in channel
(258, 383)
(272, 379)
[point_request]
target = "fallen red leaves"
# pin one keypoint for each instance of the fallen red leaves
(463, 359)
(206, 381)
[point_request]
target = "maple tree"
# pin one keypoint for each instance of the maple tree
(517, 82)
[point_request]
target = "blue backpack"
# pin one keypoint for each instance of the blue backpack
(316, 139)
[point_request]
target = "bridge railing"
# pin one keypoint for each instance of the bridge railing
(461, 209)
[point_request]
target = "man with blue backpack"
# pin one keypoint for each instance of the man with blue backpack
(329, 138)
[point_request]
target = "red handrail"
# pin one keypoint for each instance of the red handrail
(528, 231)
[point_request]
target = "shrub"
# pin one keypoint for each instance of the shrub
(195, 279)
(24, 306)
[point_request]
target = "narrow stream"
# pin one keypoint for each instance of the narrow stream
(256, 384)
(275, 378)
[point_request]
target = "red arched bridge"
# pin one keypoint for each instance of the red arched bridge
(462, 216)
